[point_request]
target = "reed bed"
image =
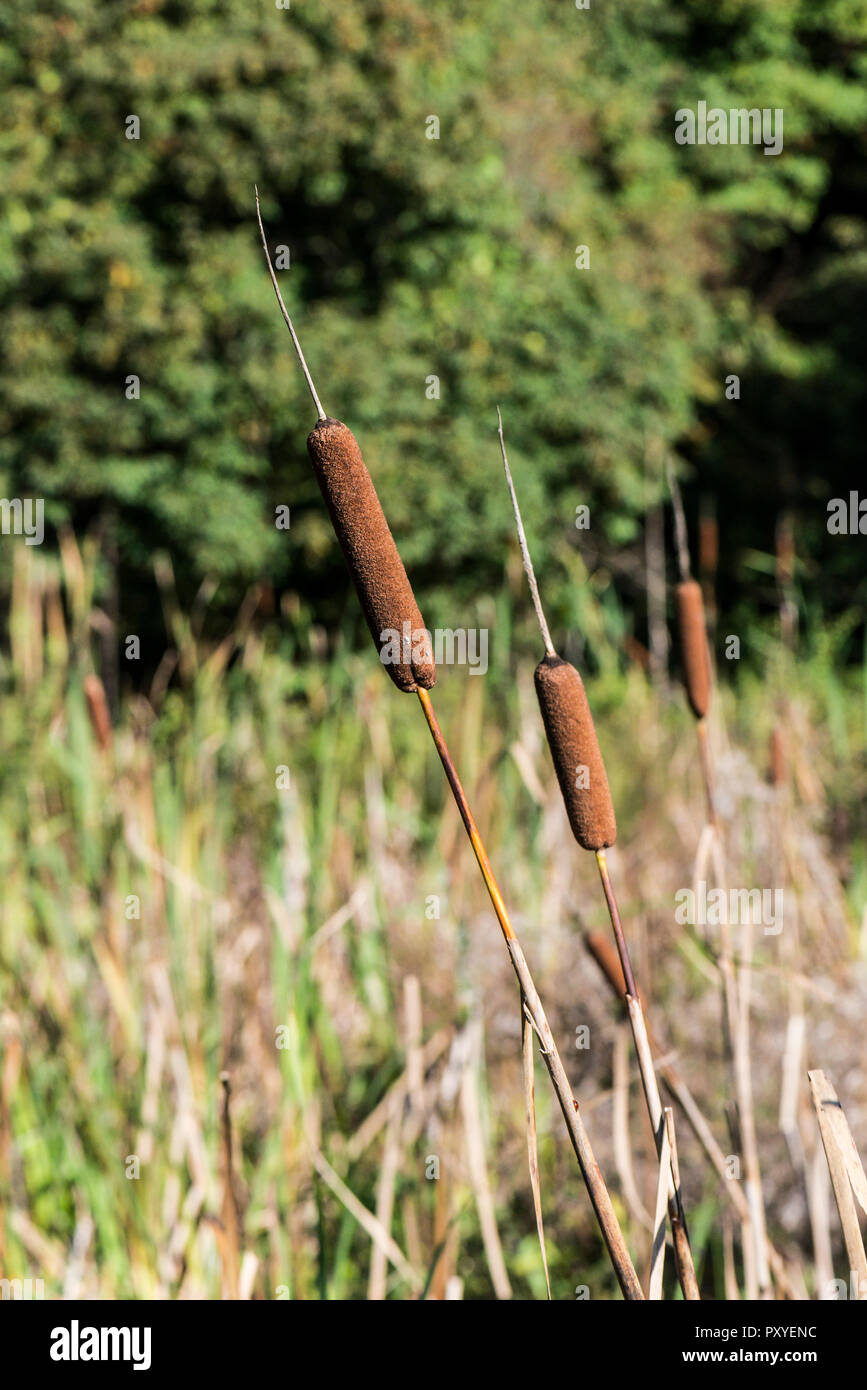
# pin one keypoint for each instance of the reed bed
(253, 1040)
(303, 908)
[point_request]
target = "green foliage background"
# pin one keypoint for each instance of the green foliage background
(413, 257)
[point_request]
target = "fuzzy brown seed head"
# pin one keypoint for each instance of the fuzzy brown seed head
(98, 711)
(606, 957)
(392, 613)
(575, 751)
(693, 646)
(777, 758)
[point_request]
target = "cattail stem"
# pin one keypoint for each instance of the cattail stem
(614, 914)
(285, 312)
(593, 1179)
(679, 523)
(707, 771)
(525, 549)
(680, 1237)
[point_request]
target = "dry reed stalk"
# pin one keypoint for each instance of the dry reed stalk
(819, 1207)
(730, 1278)
(532, 1145)
(657, 1258)
(366, 1219)
(607, 959)
(440, 1269)
(395, 1096)
(777, 762)
(388, 1170)
(847, 1172)
(328, 448)
(580, 770)
(471, 1115)
(620, 1138)
(247, 1280)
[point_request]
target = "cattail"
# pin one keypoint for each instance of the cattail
(566, 716)
(708, 545)
(575, 750)
(777, 757)
(97, 709)
(386, 596)
(693, 644)
(606, 957)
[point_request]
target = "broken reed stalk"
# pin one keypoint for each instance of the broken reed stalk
(389, 604)
(583, 782)
(698, 683)
(847, 1173)
(606, 958)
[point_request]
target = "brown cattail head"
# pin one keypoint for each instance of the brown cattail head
(777, 757)
(392, 613)
(97, 709)
(604, 952)
(693, 646)
(708, 544)
(605, 955)
(575, 751)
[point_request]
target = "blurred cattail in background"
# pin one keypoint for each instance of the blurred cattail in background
(97, 710)
(693, 646)
(583, 782)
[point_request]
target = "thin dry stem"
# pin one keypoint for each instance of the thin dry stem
(366, 1220)
(525, 549)
(532, 1145)
(846, 1169)
(285, 312)
(657, 1261)
(471, 1114)
(679, 522)
(678, 1089)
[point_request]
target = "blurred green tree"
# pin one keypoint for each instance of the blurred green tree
(423, 249)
